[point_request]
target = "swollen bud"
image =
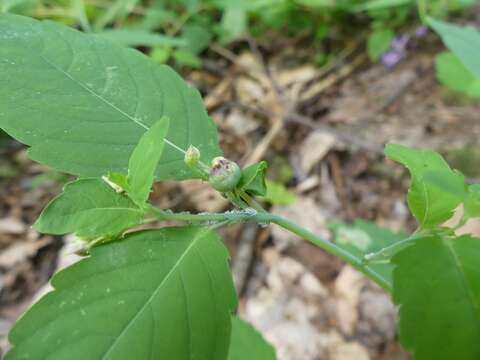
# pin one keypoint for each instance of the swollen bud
(224, 174)
(192, 156)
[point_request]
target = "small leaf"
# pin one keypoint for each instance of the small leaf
(362, 238)
(472, 201)
(134, 38)
(379, 42)
(429, 203)
(187, 58)
(436, 286)
(144, 160)
(89, 208)
(463, 41)
(278, 194)
(82, 103)
(452, 73)
(248, 343)
(381, 4)
(253, 179)
(158, 294)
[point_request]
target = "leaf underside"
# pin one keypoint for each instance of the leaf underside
(160, 294)
(436, 284)
(89, 208)
(82, 103)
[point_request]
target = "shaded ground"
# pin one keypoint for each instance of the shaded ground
(322, 131)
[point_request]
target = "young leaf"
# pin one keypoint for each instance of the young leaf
(436, 285)
(452, 73)
(278, 194)
(429, 203)
(379, 42)
(82, 103)
(463, 41)
(248, 343)
(89, 208)
(159, 294)
(364, 238)
(144, 160)
(253, 179)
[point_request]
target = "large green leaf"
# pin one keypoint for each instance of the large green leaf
(437, 285)
(248, 343)
(452, 73)
(362, 238)
(463, 41)
(89, 208)
(427, 198)
(82, 103)
(144, 160)
(160, 294)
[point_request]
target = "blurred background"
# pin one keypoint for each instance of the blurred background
(315, 87)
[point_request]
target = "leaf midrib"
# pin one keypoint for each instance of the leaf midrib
(198, 236)
(475, 307)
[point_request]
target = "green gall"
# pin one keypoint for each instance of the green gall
(192, 156)
(224, 174)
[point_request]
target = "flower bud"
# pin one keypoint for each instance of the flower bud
(192, 156)
(224, 174)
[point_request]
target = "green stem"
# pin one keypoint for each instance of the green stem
(250, 214)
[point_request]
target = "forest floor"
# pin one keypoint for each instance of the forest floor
(323, 132)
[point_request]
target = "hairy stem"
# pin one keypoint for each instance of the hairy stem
(251, 214)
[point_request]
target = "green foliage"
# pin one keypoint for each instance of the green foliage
(452, 73)
(428, 201)
(253, 179)
(464, 42)
(144, 160)
(363, 238)
(277, 194)
(161, 294)
(379, 42)
(86, 96)
(135, 38)
(436, 285)
(246, 342)
(91, 209)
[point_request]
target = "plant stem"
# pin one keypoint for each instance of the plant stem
(250, 214)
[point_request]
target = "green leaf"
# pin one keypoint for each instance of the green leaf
(471, 205)
(429, 203)
(277, 194)
(248, 343)
(187, 58)
(136, 38)
(452, 73)
(197, 37)
(144, 160)
(364, 238)
(253, 179)
(379, 42)
(158, 294)
(89, 208)
(436, 284)
(381, 4)
(233, 24)
(463, 41)
(82, 103)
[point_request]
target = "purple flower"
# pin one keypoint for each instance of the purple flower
(421, 31)
(400, 43)
(391, 58)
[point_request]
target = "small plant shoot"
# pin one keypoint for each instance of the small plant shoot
(119, 122)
